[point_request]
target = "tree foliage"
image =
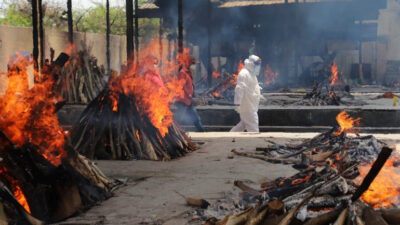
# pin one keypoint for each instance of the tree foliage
(92, 20)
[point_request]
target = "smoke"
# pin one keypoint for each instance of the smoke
(283, 35)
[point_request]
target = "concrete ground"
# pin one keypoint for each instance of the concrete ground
(151, 193)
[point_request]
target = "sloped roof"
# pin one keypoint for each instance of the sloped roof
(150, 4)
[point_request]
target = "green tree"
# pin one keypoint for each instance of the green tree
(16, 14)
(93, 20)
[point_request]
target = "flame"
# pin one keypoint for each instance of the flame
(217, 94)
(240, 67)
(301, 180)
(114, 101)
(346, 123)
(384, 190)
(15, 188)
(230, 81)
(335, 75)
(154, 88)
(28, 115)
(216, 74)
(19, 195)
(138, 136)
(269, 75)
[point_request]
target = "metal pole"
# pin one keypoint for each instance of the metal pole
(209, 32)
(108, 38)
(129, 30)
(137, 29)
(70, 22)
(180, 26)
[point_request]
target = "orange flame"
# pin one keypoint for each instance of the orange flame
(16, 189)
(301, 180)
(216, 74)
(114, 101)
(335, 75)
(229, 82)
(19, 195)
(153, 88)
(28, 115)
(240, 67)
(138, 136)
(269, 75)
(346, 123)
(384, 190)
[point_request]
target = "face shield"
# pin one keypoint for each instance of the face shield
(257, 68)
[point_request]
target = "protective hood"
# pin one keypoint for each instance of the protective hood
(253, 64)
(249, 65)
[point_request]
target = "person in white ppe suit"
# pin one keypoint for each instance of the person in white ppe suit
(247, 95)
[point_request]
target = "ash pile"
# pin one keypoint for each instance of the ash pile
(342, 179)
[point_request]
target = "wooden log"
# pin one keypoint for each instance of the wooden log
(268, 159)
(371, 217)
(289, 217)
(392, 216)
(342, 217)
(246, 188)
(373, 172)
(197, 202)
(276, 207)
(325, 218)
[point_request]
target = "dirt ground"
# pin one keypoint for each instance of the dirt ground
(152, 194)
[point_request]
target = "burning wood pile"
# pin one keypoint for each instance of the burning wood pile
(323, 93)
(226, 82)
(81, 80)
(131, 117)
(336, 183)
(42, 179)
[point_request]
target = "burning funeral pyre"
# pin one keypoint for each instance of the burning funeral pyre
(42, 177)
(336, 183)
(131, 117)
(324, 93)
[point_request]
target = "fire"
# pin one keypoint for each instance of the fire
(15, 188)
(240, 67)
(269, 75)
(28, 115)
(346, 123)
(153, 88)
(19, 195)
(229, 82)
(114, 101)
(138, 136)
(301, 180)
(216, 74)
(384, 190)
(335, 75)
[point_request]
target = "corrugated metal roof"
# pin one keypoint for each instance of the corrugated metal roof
(150, 4)
(243, 3)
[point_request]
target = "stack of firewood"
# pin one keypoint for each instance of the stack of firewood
(104, 133)
(81, 80)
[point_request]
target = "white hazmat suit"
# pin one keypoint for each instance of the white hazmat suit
(247, 96)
